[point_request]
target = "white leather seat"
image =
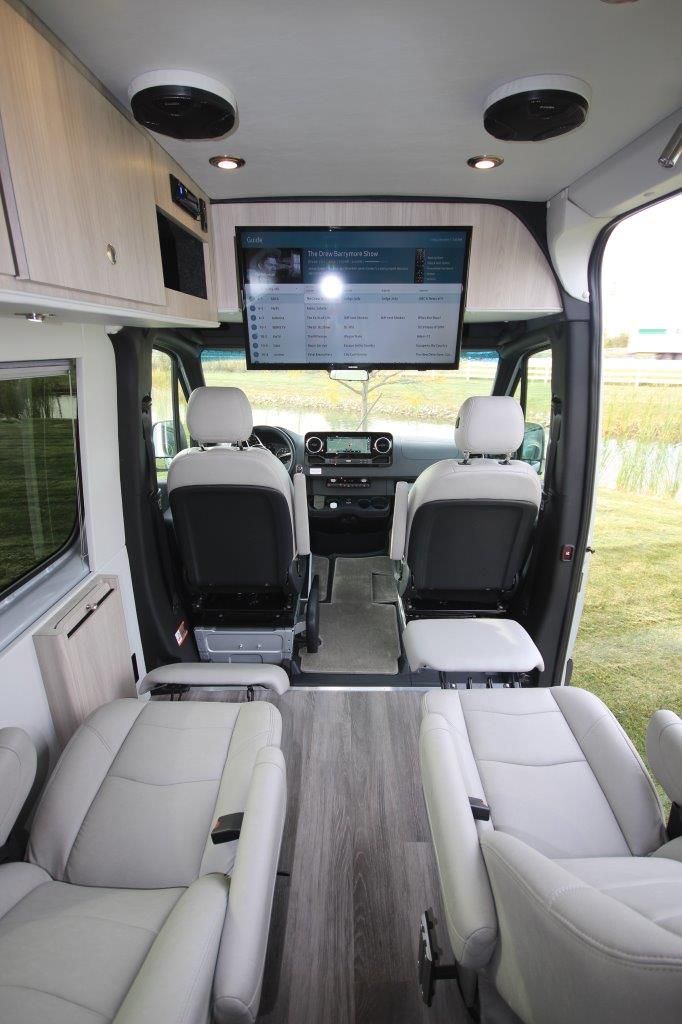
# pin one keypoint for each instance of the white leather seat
(464, 527)
(124, 910)
(569, 899)
(470, 645)
(239, 519)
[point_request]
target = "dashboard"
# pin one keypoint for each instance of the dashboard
(350, 480)
(323, 448)
(408, 457)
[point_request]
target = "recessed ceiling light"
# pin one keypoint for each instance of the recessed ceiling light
(484, 163)
(227, 163)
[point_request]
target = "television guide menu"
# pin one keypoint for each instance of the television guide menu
(353, 297)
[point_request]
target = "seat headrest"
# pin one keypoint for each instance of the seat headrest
(489, 426)
(216, 415)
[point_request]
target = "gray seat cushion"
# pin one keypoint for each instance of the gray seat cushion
(68, 953)
(651, 886)
(126, 911)
(556, 769)
(568, 898)
(132, 801)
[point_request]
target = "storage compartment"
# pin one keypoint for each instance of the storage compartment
(84, 656)
(80, 175)
(182, 258)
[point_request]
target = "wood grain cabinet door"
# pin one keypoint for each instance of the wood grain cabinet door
(84, 656)
(81, 174)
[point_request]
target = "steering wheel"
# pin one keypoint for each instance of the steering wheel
(281, 445)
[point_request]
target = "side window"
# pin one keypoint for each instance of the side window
(39, 480)
(169, 411)
(533, 389)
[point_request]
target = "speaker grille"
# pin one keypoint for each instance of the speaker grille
(183, 112)
(535, 116)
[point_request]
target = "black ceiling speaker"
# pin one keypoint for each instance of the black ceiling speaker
(183, 105)
(537, 108)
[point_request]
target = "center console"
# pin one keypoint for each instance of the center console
(349, 493)
(348, 449)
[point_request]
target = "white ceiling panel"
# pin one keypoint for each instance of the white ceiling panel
(384, 97)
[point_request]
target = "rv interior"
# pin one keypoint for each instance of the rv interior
(287, 729)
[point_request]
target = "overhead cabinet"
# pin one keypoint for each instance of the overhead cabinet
(80, 174)
(509, 276)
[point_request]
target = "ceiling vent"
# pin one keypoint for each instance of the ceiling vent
(183, 105)
(537, 108)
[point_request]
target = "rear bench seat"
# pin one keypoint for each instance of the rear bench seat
(124, 909)
(568, 899)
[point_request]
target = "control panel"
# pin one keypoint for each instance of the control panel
(348, 449)
(191, 204)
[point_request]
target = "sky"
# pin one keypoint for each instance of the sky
(642, 270)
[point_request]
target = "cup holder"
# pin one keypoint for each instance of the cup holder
(381, 503)
(364, 503)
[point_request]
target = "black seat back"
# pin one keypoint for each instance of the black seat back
(232, 537)
(470, 550)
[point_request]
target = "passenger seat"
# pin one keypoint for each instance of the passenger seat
(569, 898)
(465, 526)
(124, 909)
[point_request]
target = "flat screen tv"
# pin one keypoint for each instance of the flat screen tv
(366, 298)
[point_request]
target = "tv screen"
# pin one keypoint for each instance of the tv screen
(353, 297)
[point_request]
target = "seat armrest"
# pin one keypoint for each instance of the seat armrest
(301, 523)
(204, 673)
(174, 982)
(239, 971)
(664, 751)
(469, 908)
(399, 528)
(18, 763)
(672, 850)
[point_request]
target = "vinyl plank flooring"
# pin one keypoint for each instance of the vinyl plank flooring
(394, 872)
(343, 940)
(316, 976)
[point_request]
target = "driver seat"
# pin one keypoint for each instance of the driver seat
(241, 524)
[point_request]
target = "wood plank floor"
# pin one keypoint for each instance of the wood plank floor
(345, 923)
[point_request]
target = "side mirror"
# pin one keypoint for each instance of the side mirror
(163, 439)
(533, 446)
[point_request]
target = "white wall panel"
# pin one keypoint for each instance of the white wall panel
(22, 695)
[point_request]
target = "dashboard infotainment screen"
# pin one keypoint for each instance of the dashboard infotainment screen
(348, 445)
(353, 297)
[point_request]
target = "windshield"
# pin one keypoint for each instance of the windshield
(407, 403)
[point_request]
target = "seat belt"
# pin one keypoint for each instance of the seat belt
(159, 524)
(547, 490)
(554, 435)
